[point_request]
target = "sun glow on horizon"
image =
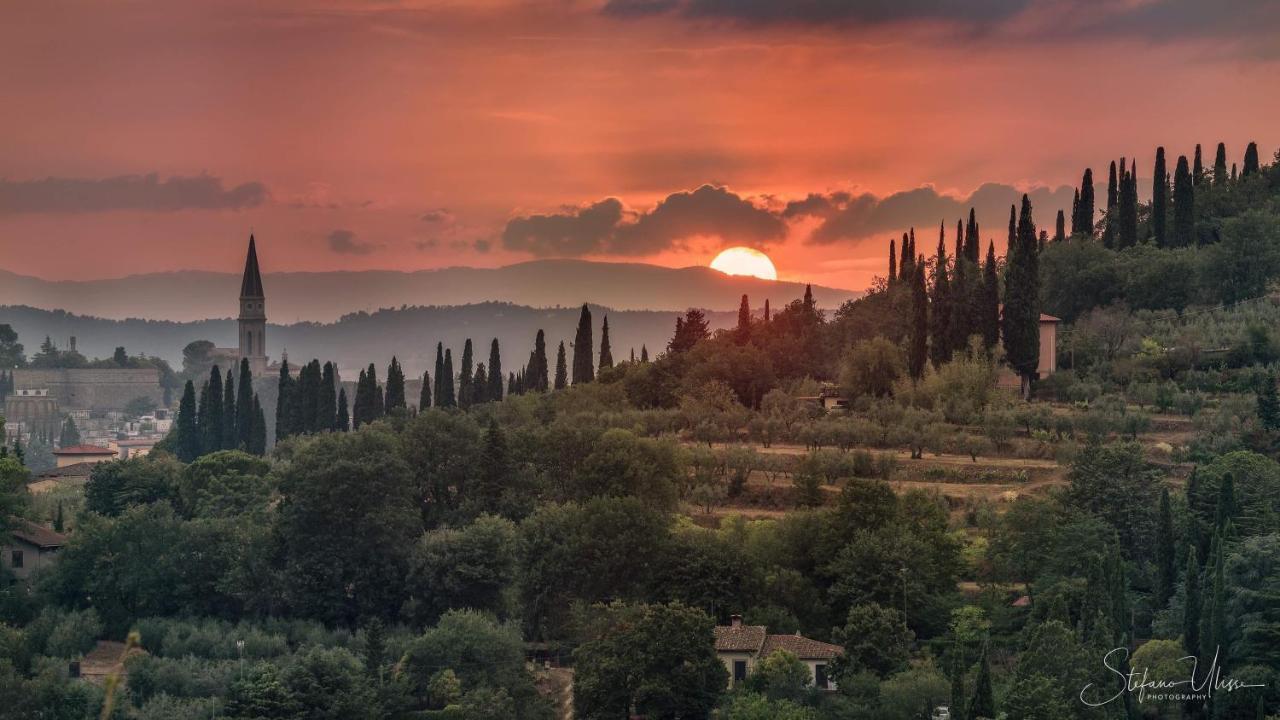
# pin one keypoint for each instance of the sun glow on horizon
(745, 261)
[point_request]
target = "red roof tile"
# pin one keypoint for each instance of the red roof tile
(38, 535)
(84, 450)
(739, 638)
(800, 646)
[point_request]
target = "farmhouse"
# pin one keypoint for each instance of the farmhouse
(740, 647)
(32, 549)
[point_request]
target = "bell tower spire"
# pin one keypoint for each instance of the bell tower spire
(253, 314)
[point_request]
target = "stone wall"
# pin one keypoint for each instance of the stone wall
(106, 389)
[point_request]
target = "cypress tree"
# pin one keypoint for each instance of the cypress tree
(1020, 324)
(1191, 605)
(230, 436)
(359, 407)
(379, 408)
(1166, 573)
(1060, 232)
(1113, 198)
(1197, 173)
(940, 306)
(284, 399)
(1160, 200)
(562, 371)
(535, 377)
(343, 423)
(972, 240)
(958, 254)
(583, 368)
(962, 301)
(1250, 160)
(495, 372)
(480, 385)
(439, 386)
(606, 352)
(424, 396)
(1087, 204)
(990, 318)
(465, 371)
(307, 398)
(893, 264)
(258, 430)
(957, 681)
(1214, 632)
(1233, 173)
(244, 404)
(1184, 199)
(58, 520)
(742, 334)
(188, 430)
(644, 349)
(327, 407)
(1128, 233)
(1269, 403)
(447, 398)
(983, 703)
(905, 269)
(394, 397)
(1075, 213)
(1225, 509)
(1220, 165)
(918, 354)
(70, 435)
(211, 413)
(511, 384)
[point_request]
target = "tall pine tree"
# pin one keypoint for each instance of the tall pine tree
(244, 399)
(1160, 201)
(1113, 199)
(447, 397)
(424, 395)
(465, 371)
(258, 429)
(1166, 573)
(187, 427)
(562, 370)
(940, 306)
(439, 386)
(495, 372)
(211, 413)
(1020, 324)
(284, 402)
(535, 377)
(1191, 604)
(327, 407)
(394, 398)
(983, 702)
(583, 367)
(1250, 160)
(1184, 200)
(743, 332)
(343, 423)
(230, 435)
(1197, 172)
(1060, 230)
(606, 352)
(990, 302)
(480, 385)
(918, 353)
(1220, 165)
(1087, 204)
(893, 264)
(1127, 235)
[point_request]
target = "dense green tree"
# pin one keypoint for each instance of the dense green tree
(438, 389)
(1060, 229)
(583, 366)
(343, 422)
(1184, 217)
(360, 406)
(473, 566)
(228, 483)
(536, 373)
(394, 395)
(893, 271)
(230, 434)
(562, 370)
(480, 385)
(11, 351)
(691, 329)
(211, 412)
(346, 525)
(186, 431)
(941, 304)
(1250, 160)
(495, 372)
(1160, 200)
(70, 435)
(258, 432)
(989, 302)
(1118, 485)
(871, 367)
(1020, 321)
(1127, 234)
(244, 407)
(983, 702)
(424, 395)
(658, 659)
(606, 352)
(1197, 170)
(1240, 265)
(1113, 199)
(1082, 223)
(1191, 604)
(1220, 165)
(918, 354)
(1166, 572)
(466, 376)
(284, 402)
(447, 398)
(115, 486)
(327, 402)
(876, 639)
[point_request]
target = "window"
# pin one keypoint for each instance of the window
(16, 558)
(820, 676)
(739, 671)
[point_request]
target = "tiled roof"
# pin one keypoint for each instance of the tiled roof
(84, 450)
(739, 638)
(38, 535)
(800, 646)
(80, 469)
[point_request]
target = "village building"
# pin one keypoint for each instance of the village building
(251, 322)
(75, 454)
(1048, 362)
(72, 475)
(32, 549)
(740, 647)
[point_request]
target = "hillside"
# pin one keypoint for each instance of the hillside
(354, 340)
(326, 296)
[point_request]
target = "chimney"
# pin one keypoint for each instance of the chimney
(735, 621)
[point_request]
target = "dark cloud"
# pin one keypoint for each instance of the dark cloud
(606, 227)
(145, 193)
(852, 218)
(345, 242)
(814, 12)
(437, 216)
(816, 205)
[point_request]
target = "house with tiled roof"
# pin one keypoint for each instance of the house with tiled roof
(31, 548)
(73, 475)
(73, 454)
(741, 646)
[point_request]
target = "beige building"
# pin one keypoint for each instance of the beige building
(73, 475)
(740, 647)
(32, 549)
(77, 454)
(88, 389)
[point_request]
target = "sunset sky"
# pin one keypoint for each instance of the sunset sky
(143, 136)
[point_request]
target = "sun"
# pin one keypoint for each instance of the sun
(745, 261)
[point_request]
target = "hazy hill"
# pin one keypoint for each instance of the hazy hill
(326, 296)
(360, 338)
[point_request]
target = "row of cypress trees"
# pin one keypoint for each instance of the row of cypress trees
(1119, 222)
(536, 375)
(224, 418)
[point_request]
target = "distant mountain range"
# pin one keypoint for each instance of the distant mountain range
(358, 339)
(326, 296)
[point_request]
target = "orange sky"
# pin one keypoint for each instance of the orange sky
(354, 134)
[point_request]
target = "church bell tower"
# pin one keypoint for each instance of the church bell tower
(253, 315)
